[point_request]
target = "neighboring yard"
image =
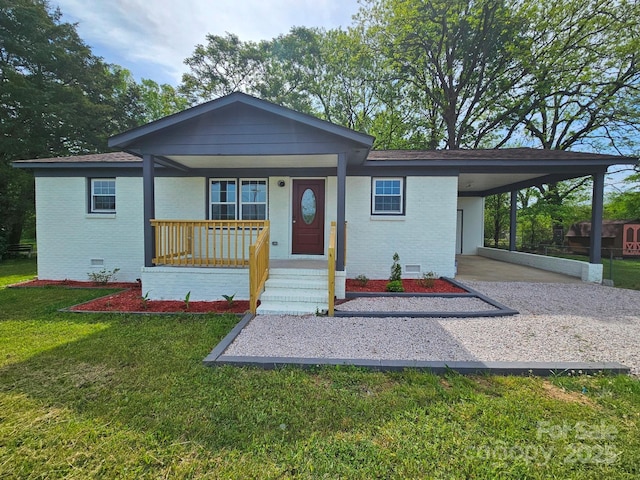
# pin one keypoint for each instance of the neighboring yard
(624, 273)
(125, 396)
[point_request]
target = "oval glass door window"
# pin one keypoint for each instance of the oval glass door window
(308, 206)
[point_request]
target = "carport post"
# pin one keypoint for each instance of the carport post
(595, 241)
(513, 220)
(340, 217)
(149, 201)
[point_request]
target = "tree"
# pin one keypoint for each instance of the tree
(159, 100)
(496, 214)
(625, 204)
(222, 66)
(461, 58)
(56, 98)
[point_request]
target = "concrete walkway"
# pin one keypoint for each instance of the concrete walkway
(482, 269)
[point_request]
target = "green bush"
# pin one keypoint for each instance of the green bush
(395, 286)
(362, 280)
(396, 269)
(428, 280)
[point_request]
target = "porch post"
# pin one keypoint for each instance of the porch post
(340, 217)
(149, 207)
(513, 220)
(595, 244)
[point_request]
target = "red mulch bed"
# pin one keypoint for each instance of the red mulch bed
(75, 284)
(131, 301)
(410, 286)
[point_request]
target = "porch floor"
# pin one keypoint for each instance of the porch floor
(299, 263)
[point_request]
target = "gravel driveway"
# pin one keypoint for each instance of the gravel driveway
(557, 322)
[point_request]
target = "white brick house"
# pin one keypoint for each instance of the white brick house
(182, 207)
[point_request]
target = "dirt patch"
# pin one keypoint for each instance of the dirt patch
(131, 301)
(409, 285)
(557, 393)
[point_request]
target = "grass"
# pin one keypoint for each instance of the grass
(626, 273)
(124, 396)
(14, 270)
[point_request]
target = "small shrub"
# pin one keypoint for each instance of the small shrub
(186, 300)
(428, 280)
(145, 300)
(396, 269)
(362, 280)
(104, 276)
(229, 299)
(395, 286)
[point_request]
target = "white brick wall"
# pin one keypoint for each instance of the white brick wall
(205, 284)
(424, 236)
(181, 198)
(69, 237)
(587, 272)
(473, 224)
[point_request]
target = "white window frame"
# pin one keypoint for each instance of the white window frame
(93, 195)
(374, 182)
(238, 203)
(266, 197)
(212, 203)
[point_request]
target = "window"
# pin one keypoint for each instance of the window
(223, 200)
(227, 204)
(387, 196)
(103, 195)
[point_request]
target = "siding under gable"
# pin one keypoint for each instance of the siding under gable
(241, 130)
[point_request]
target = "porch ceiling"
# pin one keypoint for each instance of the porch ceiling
(482, 182)
(250, 161)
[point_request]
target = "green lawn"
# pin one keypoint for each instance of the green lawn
(14, 270)
(626, 273)
(124, 396)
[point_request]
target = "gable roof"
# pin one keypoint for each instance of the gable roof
(125, 139)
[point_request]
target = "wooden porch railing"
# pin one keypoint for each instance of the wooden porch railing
(331, 250)
(258, 267)
(210, 243)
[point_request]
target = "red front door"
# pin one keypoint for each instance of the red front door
(308, 217)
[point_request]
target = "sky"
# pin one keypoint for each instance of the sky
(151, 38)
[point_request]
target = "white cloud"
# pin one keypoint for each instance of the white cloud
(139, 33)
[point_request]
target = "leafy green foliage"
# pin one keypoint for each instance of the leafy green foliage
(428, 280)
(229, 299)
(103, 276)
(396, 269)
(395, 286)
(362, 280)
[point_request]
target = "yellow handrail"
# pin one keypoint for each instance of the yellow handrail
(332, 268)
(258, 267)
(212, 243)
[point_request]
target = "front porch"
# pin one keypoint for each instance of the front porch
(209, 260)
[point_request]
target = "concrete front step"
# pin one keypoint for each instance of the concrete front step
(295, 291)
(295, 295)
(297, 283)
(291, 308)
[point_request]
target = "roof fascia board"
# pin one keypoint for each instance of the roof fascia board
(76, 165)
(484, 166)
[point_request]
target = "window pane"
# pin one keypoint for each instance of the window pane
(104, 203)
(254, 212)
(254, 191)
(223, 212)
(223, 191)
